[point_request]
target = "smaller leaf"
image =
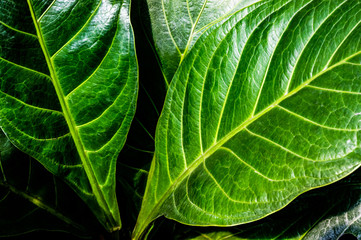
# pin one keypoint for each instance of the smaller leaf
(68, 91)
(347, 220)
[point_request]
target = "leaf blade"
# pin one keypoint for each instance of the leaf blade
(228, 97)
(99, 90)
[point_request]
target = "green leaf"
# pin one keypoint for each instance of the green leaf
(264, 107)
(37, 200)
(68, 90)
(176, 25)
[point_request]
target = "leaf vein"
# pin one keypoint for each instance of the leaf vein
(305, 46)
(81, 29)
(25, 68)
(315, 123)
(17, 30)
(332, 90)
(206, 75)
(32, 137)
(112, 138)
(46, 10)
(273, 54)
(235, 72)
(98, 67)
(249, 166)
(105, 111)
(342, 42)
(170, 32)
(32, 106)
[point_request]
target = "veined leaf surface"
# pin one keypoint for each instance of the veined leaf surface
(176, 25)
(264, 107)
(68, 90)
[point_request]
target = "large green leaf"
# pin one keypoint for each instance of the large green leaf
(264, 107)
(176, 25)
(68, 90)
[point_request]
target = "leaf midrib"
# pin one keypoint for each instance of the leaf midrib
(70, 121)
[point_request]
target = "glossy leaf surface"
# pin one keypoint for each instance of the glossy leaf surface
(264, 107)
(176, 25)
(68, 90)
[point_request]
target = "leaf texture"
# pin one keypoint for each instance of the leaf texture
(176, 25)
(264, 107)
(68, 90)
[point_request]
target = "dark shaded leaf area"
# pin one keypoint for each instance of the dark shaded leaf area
(33, 200)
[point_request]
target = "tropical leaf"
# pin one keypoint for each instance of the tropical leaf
(264, 107)
(37, 201)
(68, 90)
(176, 25)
